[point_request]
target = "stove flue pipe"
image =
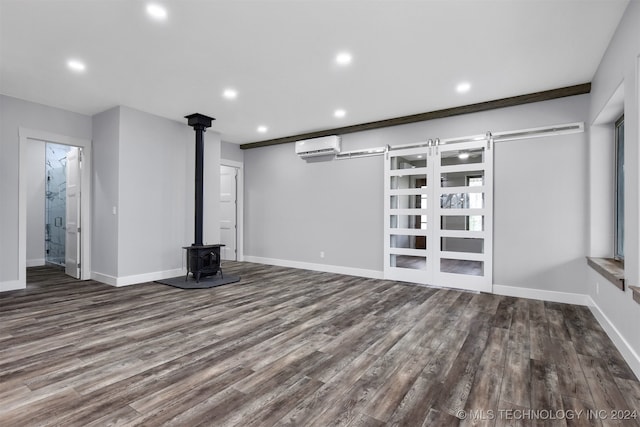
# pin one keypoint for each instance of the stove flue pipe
(200, 123)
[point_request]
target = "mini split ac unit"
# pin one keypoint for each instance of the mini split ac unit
(326, 145)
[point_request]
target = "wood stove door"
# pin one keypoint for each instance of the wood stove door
(228, 211)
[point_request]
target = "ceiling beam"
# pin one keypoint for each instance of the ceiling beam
(439, 114)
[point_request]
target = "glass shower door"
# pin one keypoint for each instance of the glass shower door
(55, 203)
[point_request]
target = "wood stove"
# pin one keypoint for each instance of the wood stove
(202, 260)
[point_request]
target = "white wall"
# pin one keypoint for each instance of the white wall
(36, 186)
(539, 212)
(16, 113)
(106, 140)
(212, 157)
(295, 209)
(229, 151)
(619, 66)
(144, 167)
(617, 311)
(152, 198)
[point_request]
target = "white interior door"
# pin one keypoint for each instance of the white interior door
(72, 239)
(439, 215)
(463, 256)
(228, 211)
(409, 208)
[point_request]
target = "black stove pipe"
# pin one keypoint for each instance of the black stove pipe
(200, 123)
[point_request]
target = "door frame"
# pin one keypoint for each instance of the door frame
(25, 135)
(239, 205)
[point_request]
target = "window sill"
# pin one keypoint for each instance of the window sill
(636, 293)
(611, 269)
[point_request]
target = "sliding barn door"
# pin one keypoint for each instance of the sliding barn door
(464, 216)
(409, 210)
(438, 215)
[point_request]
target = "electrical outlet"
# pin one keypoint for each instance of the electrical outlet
(321, 254)
(597, 288)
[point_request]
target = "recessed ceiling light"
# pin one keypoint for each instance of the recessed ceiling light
(339, 113)
(230, 93)
(157, 12)
(262, 129)
(343, 58)
(463, 87)
(75, 65)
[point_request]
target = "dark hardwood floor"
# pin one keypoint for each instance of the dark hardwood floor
(298, 348)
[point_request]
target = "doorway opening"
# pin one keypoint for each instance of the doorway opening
(51, 231)
(60, 183)
(231, 217)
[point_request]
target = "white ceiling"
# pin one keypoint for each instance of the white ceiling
(408, 56)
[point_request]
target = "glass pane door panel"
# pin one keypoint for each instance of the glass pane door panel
(408, 161)
(462, 156)
(459, 266)
(462, 201)
(408, 262)
(415, 201)
(408, 221)
(462, 179)
(403, 182)
(462, 244)
(462, 222)
(408, 242)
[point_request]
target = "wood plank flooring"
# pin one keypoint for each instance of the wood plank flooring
(292, 347)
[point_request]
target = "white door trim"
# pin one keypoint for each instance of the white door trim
(25, 135)
(239, 207)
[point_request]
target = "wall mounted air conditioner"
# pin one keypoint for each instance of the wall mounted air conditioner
(323, 146)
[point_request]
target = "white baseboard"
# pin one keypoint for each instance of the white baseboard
(104, 278)
(12, 285)
(35, 262)
(137, 278)
(540, 294)
(326, 268)
(628, 353)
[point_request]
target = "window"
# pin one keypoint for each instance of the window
(619, 190)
